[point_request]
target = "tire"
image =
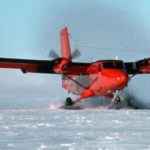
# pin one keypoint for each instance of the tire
(117, 99)
(69, 101)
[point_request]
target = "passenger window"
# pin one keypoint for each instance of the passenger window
(99, 68)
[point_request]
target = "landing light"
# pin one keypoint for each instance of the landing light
(118, 78)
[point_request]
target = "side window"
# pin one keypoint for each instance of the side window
(99, 68)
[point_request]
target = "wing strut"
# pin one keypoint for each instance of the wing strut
(76, 82)
(80, 83)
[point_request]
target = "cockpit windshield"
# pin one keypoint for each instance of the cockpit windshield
(113, 64)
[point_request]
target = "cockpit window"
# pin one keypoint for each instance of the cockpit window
(119, 65)
(108, 65)
(113, 64)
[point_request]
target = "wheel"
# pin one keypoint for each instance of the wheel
(117, 99)
(69, 101)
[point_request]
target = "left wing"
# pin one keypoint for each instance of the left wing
(27, 65)
(138, 67)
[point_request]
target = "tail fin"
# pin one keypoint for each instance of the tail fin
(65, 44)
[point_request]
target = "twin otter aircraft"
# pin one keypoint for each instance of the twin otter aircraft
(100, 78)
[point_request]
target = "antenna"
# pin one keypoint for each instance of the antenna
(116, 57)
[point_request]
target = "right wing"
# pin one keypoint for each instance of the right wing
(27, 65)
(138, 67)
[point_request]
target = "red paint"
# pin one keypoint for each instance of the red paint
(60, 67)
(23, 66)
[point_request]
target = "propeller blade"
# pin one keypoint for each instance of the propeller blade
(76, 53)
(53, 54)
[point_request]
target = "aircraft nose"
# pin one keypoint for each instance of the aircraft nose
(122, 79)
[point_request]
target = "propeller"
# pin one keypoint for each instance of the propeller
(61, 63)
(53, 54)
(76, 53)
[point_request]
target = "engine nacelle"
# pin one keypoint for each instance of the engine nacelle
(61, 65)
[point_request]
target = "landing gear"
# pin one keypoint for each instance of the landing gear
(69, 101)
(116, 99)
(70, 104)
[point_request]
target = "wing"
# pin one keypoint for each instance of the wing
(138, 67)
(34, 66)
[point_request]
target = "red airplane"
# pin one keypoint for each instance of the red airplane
(100, 78)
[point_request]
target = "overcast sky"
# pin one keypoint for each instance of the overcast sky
(101, 29)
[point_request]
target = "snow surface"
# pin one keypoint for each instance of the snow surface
(93, 129)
